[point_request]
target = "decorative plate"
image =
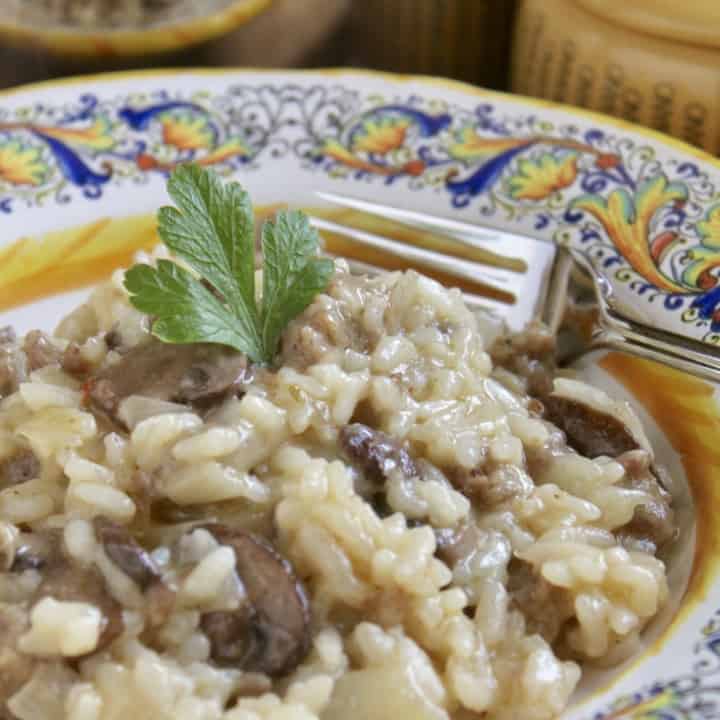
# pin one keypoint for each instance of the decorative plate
(83, 166)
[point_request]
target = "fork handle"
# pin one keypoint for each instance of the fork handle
(674, 355)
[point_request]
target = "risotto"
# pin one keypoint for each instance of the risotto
(399, 520)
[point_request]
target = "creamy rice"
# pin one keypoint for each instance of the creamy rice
(439, 547)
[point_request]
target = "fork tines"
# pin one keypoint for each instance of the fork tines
(526, 290)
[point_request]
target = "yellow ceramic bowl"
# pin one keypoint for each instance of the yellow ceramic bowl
(642, 207)
(103, 43)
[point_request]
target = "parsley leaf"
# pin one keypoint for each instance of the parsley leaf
(186, 311)
(292, 273)
(212, 230)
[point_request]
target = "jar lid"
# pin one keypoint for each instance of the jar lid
(691, 21)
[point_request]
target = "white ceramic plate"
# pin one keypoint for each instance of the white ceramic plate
(83, 166)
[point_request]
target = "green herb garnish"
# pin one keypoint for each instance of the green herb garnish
(213, 230)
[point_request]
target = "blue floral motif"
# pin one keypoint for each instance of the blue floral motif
(140, 118)
(693, 696)
(635, 216)
(71, 164)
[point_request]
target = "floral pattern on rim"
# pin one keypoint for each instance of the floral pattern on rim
(637, 221)
(693, 696)
(644, 223)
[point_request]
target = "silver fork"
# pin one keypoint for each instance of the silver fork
(540, 292)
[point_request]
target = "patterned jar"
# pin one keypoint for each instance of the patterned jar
(653, 62)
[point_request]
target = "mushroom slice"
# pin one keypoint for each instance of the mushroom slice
(596, 425)
(195, 373)
(376, 453)
(137, 563)
(270, 633)
(40, 350)
(593, 423)
(653, 523)
(20, 467)
(122, 548)
(67, 581)
(546, 607)
(489, 489)
(457, 545)
(73, 362)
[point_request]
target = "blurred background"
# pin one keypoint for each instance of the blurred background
(654, 62)
(464, 39)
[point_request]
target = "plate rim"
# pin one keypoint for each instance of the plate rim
(394, 77)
